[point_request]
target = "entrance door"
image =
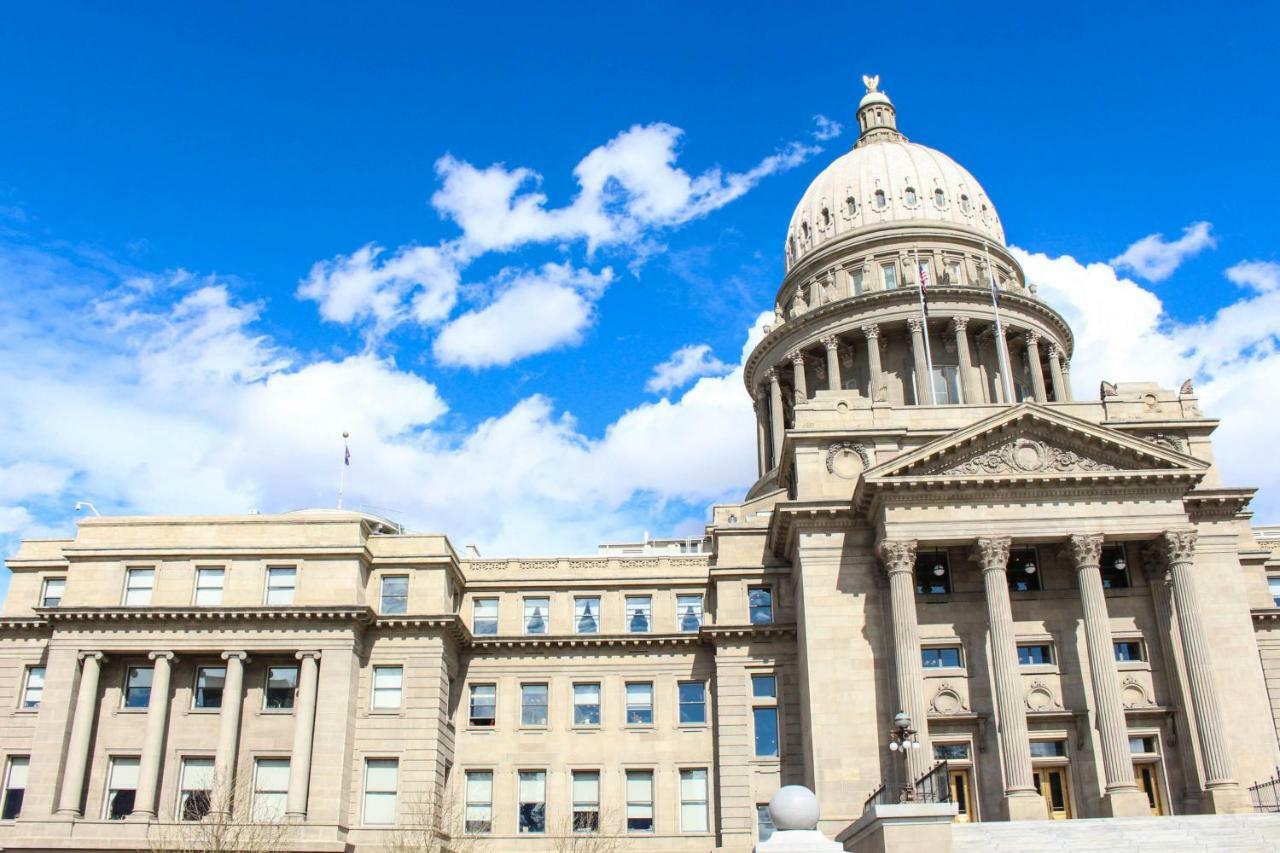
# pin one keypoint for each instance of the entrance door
(961, 780)
(1051, 782)
(1149, 780)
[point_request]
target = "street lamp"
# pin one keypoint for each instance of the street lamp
(902, 738)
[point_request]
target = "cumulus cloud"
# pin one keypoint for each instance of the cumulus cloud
(826, 129)
(414, 281)
(1155, 258)
(685, 364)
(1262, 276)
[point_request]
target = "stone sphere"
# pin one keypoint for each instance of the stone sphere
(794, 807)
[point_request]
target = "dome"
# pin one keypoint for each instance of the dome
(887, 180)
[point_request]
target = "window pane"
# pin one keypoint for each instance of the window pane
(535, 615)
(34, 691)
(693, 708)
(209, 583)
(197, 774)
(479, 804)
(1035, 655)
(1048, 749)
(586, 704)
(484, 704)
(639, 801)
(53, 589)
(764, 687)
(281, 683)
(933, 573)
(484, 618)
(760, 602)
(940, 657)
(689, 612)
(209, 681)
(764, 823)
(693, 800)
(137, 693)
(124, 773)
(586, 615)
(950, 751)
(280, 585)
(395, 594)
(766, 720)
(533, 704)
(639, 703)
(532, 791)
(387, 681)
(639, 609)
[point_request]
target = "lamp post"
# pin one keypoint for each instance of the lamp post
(902, 738)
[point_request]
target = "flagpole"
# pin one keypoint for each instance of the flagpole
(346, 463)
(1001, 351)
(924, 325)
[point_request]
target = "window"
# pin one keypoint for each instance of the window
(533, 801)
(760, 604)
(388, 685)
(484, 705)
(693, 702)
(270, 788)
(689, 612)
(1114, 567)
(282, 683)
(965, 204)
(586, 704)
(889, 276)
(15, 786)
(857, 282)
(639, 609)
(764, 695)
(933, 573)
(479, 806)
(1140, 745)
(51, 594)
(939, 657)
(952, 273)
(851, 205)
(1023, 570)
(536, 611)
(764, 822)
(639, 703)
(881, 201)
(209, 587)
(693, 801)
(804, 228)
(586, 614)
(33, 688)
(280, 585)
(586, 801)
(1048, 749)
(950, 751)
(939, 197)
(1129, 651)
(826, 218)
(209, 681)
(122, 788)
(395, 595)
(1035, 654)
(484, 617)
(138, 584)
(946, 385)
(137, 686)
(381, 776)
(639, 801)
(909, 196)
(533, 704)
(1273, 584)
(195, 788)
(764, 687)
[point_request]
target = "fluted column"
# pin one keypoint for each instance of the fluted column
(1066, 380)
(1122, 794)
(761, 405)
(1033, 364)
(833, 362)
(872, 333)
(924, 383)
(1021, 800)
(81, 731)
(899, 558)
(778, 426)
(1055, 373)
(144, 803)
(224, 760)
(303, 734)
(797, 376)
(960, 327)
(1221, 789)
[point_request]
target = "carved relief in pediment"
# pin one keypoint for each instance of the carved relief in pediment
(1041, 698)
(1024, 455)
(948, 701)
(1134, 695)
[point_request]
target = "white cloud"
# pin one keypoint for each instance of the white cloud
(1155, 258)
(686, 363)
(533, 312)
(366, 287)
(1262, 276)
(826, 129)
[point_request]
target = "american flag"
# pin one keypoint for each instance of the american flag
(924, 287)
(346, 459)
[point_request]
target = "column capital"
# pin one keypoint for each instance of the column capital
(992, 552)
(1032, 338)
(1179, 546)
(796, 357)
(99, 657)
(310, 653)
(1054, 352)
(915, 325)
(243, 657)
(1085, 549)
(898, 555)
(871, 330)
(960, 324)
(830, 342)
(771, 374)
(1066, 366)
(168, 656)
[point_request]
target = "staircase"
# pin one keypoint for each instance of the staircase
(1243, 833)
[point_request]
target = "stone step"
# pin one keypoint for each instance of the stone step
(1251, 833)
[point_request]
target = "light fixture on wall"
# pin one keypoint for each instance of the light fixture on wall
(902, 738)
(1120, 564)
(1029, 568)
(939, 570)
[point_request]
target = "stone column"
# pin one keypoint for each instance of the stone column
(924, 386)
(761, 399)
(833, 363)
(872, 333)
(81, 731)
(303, 731)
(1055, 373)
(1222, 793)
(797, 376)
(778, 427)
(144, 805)
(1033, 364)
(1122, 797)
(899, 558)
(225, 759)
(1021, 801)
(972, 394)
(1066, 380)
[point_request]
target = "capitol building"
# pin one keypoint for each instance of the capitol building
(966, 604)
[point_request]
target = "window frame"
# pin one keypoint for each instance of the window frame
(468, 804)
(701, 684)
(374, 689)
(1273, 589)
(23, 697)
(6, 788)
(629, 803)
(940, 648)
(763, 818)
(44, 590)
(1019, 553)
(1140, 643)
(185, 761)
(526, 601)
(687, 598)
(752, 609)
(599, 705)
(1107, 570)
(579, 615)
(269, 587)
(475, 621)
(520, 801)
(365, 792)
(764, 703)
(266, 689)
(525, 705)
(256, 792)
(940, 556)
(114, 761)
(705, 802)
(125, 691)
(196, 688)
(641, 604)
(575, 803)
(1050, 663)
(132, 572)
(472, 718)
(197, 588)
(639, 709)
(889, 275)
(382, 593)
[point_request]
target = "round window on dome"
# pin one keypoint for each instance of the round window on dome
(910, 196)
(966, 205)
(939, 198)
(881, 201)
(851, 205)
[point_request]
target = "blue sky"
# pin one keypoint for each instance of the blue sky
(189, 321)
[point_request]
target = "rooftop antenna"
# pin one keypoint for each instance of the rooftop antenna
(82, 504)
(346, 463)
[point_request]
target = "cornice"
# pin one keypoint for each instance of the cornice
(358, 614)
(585, 641)
(17, 624)
(1262, 615)
(127, 552)
(721, 633)
(449, 623)
(1217, 503)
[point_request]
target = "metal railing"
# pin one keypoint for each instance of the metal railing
(932, 787)
(879, 797)
(1266, 795)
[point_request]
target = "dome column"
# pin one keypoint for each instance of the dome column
(924, 382)
(798, 380)
(777, 426)
(1066, 380)
(1033, 364)
(872, 333)
(762, 429)
(960, 327)
(833, 362)
(1055, 375)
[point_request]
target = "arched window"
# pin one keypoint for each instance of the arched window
(966, 205)
(881, 201)
(910, 196)
(939, 198)
(826, 218)
(986, 214)
(791, 245)
(851, 205)
(804, 229)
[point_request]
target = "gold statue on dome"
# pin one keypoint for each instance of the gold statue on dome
(872, 83)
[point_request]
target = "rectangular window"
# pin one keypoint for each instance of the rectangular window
(33, 688)
(946, 385)
(764, 687)
(764, 822)
(1128, 651)
(209, 583)
(951, 751)
(533, 704)
(395, 595)
(15, 786)
(1142, 745)
(952, 274)
(479, 806)
(1114, 567)
(122, 788)
(766, 728)
(282, 684)
(484, 617)
(484, 705)
(933, 573)
(586, 801)
(537, 613)
(693, 702)
(270, 788)
(857, 291)
(639, 611)
(381, 780)
(639, 801)
(1035, 654)
(939, 657)
(137, 686)
(209, 681)
(639, 703)
(533, 802)
(280, 585)
(138, 584)
(195, 791)
(586, 614)
(760, 604)
(693, 801)
(388, 684)
(689, 613)
(51, 594)
(1023, 570)
(1273, 585)
(889, 275)
(1048, 749)
(586, 704)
